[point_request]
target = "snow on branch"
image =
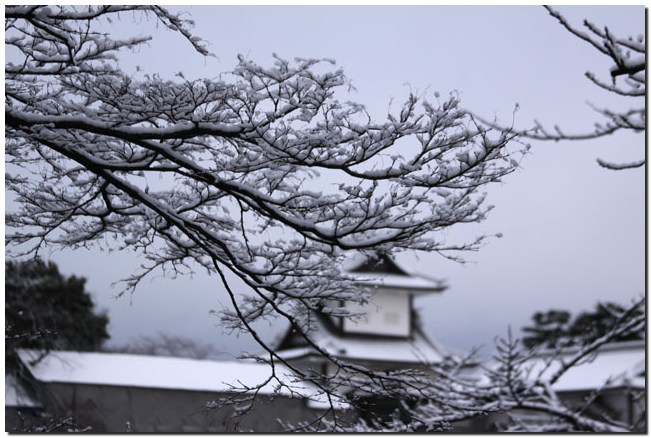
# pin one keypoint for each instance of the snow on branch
(262, 175)
(518, 390)
(62, 40)
(629, 60)
(628, 56)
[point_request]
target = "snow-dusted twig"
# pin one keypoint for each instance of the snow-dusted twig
(228, 175)
(629, 61)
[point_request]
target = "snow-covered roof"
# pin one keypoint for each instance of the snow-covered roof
(413, 282)
(17, 396)
(166, 373)
(416, 349)
(383, 271)
(622, 363)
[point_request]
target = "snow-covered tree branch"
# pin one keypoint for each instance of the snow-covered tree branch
(626, 78)
(264, 177)
(228, 174)
(517, 390)
(628, 56)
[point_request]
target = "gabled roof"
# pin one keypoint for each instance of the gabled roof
(376, 270)
(414, 350)
(377, 264)
(132, 370)
(382, 270)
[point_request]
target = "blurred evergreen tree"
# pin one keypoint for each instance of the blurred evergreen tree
(48, 311)
(550, 328)
(557, 328)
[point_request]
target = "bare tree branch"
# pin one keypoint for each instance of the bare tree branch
(629, 60)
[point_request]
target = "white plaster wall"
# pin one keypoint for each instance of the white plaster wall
(387, 313)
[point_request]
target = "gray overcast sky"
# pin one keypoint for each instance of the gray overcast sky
(573, 232)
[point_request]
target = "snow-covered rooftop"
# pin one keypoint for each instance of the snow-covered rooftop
(166, 373)
(416, 349)
(382, 270)
(613, 365)
(623, 364)
(16, 395)
(412, 282)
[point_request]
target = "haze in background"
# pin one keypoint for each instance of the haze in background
(573, 233)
